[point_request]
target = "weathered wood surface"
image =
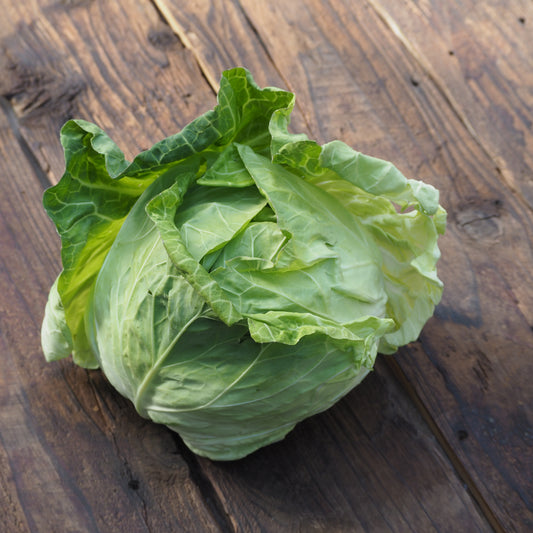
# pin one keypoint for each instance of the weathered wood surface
(438, 439)
(454, 81)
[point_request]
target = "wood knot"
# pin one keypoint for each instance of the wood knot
(481, 219)
(134, 484)
(162, 38)
(41, 81)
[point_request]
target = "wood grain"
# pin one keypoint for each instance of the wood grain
(480, 55)
(74, 455)
(142, 70)
(477, 352)
(220, 36)
(88, 463)
(114, 63)
(368, 87)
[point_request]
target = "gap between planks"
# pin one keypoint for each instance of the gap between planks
(212, 500)
(454, 459)
(168, 18)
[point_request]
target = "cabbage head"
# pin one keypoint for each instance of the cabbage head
(236, 278)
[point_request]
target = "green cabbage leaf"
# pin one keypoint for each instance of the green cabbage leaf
(237, 278)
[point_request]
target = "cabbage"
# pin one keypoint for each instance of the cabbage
(236, 278)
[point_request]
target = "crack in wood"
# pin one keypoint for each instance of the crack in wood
(167, 18)
(206, 488)
(454, 459)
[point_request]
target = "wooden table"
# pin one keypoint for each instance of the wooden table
(440, 436)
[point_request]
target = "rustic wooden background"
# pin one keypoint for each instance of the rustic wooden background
(440, 436)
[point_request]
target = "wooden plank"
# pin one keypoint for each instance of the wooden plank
(473, 365)
(368, 464)
(480, 54)
(74, 455)
(362, 88)
(113, 63)
(77, 456)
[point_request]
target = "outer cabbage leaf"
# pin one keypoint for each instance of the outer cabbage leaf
(99, 187)
(402, 218)
(56, 337)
